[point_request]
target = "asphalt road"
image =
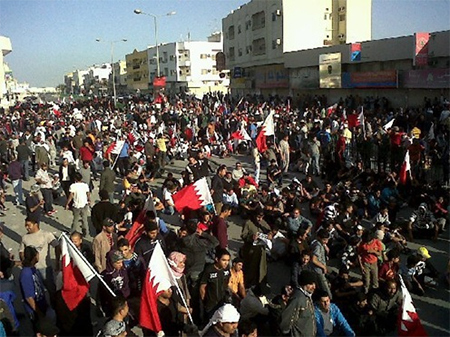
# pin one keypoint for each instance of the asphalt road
(433, 308)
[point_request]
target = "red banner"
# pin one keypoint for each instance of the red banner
(421, 50)
(159, 81)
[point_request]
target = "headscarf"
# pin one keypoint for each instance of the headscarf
(225, 314)
(174, 259)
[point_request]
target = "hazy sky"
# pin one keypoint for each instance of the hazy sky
(53, 37)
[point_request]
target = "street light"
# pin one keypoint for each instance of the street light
(155, 18)
(112, 64)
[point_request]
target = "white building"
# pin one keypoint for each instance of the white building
(188, 66)
(258, 33)
(5, 49)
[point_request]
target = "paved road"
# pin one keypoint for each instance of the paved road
(433, 308)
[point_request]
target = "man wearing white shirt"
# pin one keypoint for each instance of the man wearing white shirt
(79, 193)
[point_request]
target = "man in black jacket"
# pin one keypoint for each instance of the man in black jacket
(102, 210)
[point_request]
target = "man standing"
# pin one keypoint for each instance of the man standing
(257, 163)
(79, 193)
(41, 240)
(217, 188)
(15, 174)
(298, 318)
(219, 226)
(285, 152)
(319, 259)
(107, 178)
(46, 184)
(102, 210)
(23, 156)
(103, 243)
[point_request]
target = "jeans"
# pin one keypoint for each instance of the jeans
(47, 194)
(26, 169)
(17, 185)
(80, 214)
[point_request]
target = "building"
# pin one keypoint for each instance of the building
(5, 49)
(97, 78)
(384, 65)
(258, 33)
(120, 74)
(188, 66)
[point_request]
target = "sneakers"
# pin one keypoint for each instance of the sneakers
(52, 212)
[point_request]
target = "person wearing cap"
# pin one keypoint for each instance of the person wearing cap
(329, 319)
(424, 271)
(223, 323)
(298, 319)
(103, 243)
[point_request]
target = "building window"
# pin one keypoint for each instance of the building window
(258, 20)
(274, 16)
(205, 72)
(240, 52)
(231, 53)
(259, 47)
(239, 29)
(203, 56)
(231, 33)
(341, 17)
(248, 50)
(248, 24)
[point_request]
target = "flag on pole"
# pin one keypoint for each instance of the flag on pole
(405, 170)
(114, 148)
(159, 278)
(138, 225)
(355, 120)
(409, 322)
(241, 134)
(76, 273)
(193, 196)
(389, 124)
(268, 129)
(331, 109)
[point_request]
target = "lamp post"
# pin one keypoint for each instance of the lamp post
(155, 18)
(112, 64)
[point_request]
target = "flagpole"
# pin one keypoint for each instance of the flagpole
(117, 157)
(180, 292)
(64, 236)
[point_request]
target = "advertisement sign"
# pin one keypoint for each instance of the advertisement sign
(159, 81)
(370, 79)
(355, 52)
(421, 49)
(238, 72)
(272, 77)
(330, 70)
(426, 79)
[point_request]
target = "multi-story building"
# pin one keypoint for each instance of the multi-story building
(137, 70)
(120, 77)
(188, 66)
(97, 78)
(5, 49)
(259, 32)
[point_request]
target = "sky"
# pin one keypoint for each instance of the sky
(53, 37)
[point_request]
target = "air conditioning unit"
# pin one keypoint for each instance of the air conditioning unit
(341, 36)
(278, 42)
(278, 12)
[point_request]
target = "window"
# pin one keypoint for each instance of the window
(258, 20)
(239, 29)
(205, 72)
(259, 47)
(248, 50)
(240, 52)
(231, 53)
(203, 56)
(231, 33)
(341, 17)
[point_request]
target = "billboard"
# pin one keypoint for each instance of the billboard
(275, 76)
(421, 49)
(330, 70)
(370, 79)
(426, 79)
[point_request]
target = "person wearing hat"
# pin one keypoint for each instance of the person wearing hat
(223, 323)
(103, 243)
(298, 319)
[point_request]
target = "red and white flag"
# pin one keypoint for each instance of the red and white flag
(241, 134)
(409, 322)
(331, 109)
(268, 129)
(159, 278)
(193, 196)
(133, 136)
(76, 273)
(138, 225)
(405, 170)
(355, 120)
(114, 148)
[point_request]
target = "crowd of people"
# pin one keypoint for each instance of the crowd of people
(343, 163)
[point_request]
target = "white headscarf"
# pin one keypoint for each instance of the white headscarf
(225, 314)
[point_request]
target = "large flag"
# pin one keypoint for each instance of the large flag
(241, 134)
(389, 124)
(409, 322)
(405, 170)
(355, 120)
(76, 273)
(114, 148)
(268, 129)
(159, 278)
(138, 225)
(331, 109)
(193, 196)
